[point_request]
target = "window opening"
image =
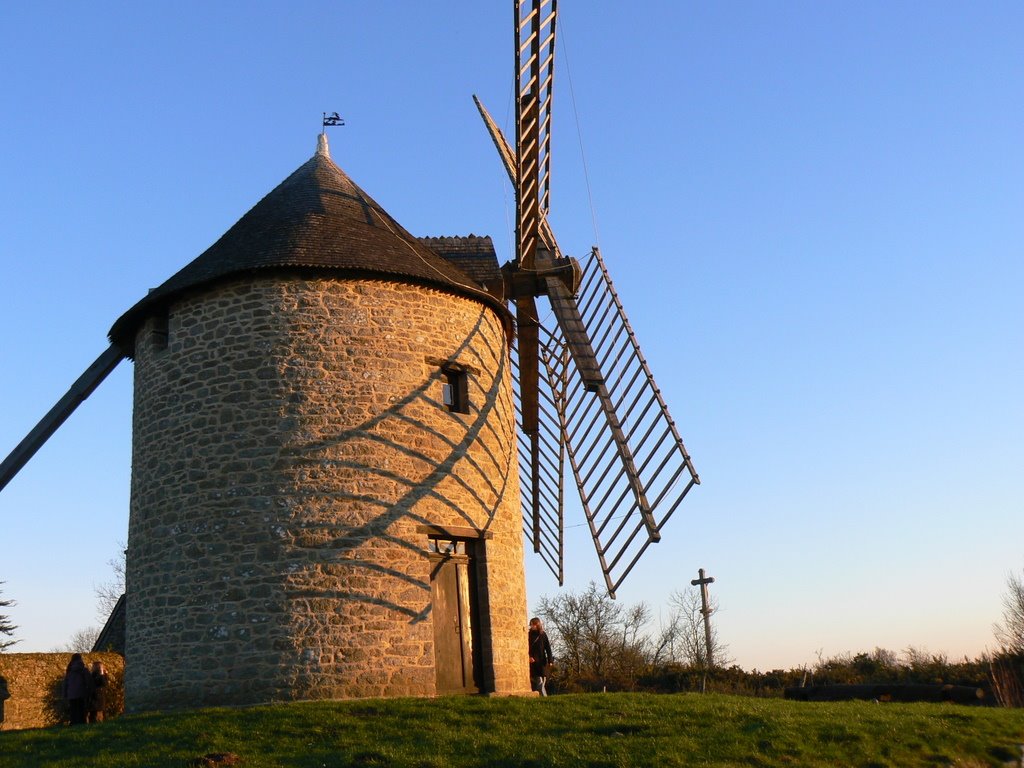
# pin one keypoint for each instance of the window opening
(161, 329)
(455, 389)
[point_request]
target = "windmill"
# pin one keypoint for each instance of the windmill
(324, 454)
(585, 391)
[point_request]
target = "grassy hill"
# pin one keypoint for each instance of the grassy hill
(586, 729)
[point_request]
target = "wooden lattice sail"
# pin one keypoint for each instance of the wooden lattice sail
(584, 390)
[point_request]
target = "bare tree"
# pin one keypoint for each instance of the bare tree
(597, 640)
(594, 637)
(663, 644)
(633, 652)
(1007, 666)
(81, 642)
(689, 644)
(6, 627)
(109, 592)
(565, 618)
(1010, 632)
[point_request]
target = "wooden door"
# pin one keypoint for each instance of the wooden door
(453, 609)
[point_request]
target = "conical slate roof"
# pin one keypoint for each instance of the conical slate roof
(316, 218)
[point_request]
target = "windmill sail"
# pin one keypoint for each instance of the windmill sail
(583, 388)
(630, 464)
(535, 52)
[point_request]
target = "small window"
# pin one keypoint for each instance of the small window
(455, 389)
(161, 322)
(446, 546)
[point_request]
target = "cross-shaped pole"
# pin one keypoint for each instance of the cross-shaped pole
(703, 582)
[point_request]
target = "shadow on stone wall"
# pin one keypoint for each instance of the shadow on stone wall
(395, 456)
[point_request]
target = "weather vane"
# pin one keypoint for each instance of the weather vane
(333, 119)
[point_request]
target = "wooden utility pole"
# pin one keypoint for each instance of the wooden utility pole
(705, 610)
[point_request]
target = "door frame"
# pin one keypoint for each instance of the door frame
(467, 551)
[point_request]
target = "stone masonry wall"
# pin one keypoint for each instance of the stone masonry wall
(290, 447)
(34, 681)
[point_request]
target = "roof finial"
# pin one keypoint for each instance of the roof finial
(321, 145)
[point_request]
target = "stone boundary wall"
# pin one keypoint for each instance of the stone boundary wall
(34, 681)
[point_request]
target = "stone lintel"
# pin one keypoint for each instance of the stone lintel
(455, 531)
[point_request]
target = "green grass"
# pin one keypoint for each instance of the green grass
(591, 730)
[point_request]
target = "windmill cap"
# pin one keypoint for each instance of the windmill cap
(319, 219)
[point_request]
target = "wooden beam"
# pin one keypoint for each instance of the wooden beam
(81, 389)
(577, 339)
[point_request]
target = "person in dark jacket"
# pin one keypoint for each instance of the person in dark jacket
(94, 708)
(77, 688)
(540, 656)
(5, 694)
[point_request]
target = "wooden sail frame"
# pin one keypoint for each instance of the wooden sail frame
(584, 390)
(630, 465)
(626, 502)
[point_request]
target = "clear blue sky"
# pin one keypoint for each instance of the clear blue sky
(814, 214)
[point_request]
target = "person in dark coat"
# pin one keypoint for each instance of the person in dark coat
(5, 694)
(77, 688)
(540, 656)
(94, 709)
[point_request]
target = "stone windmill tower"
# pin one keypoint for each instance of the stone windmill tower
(324, 494)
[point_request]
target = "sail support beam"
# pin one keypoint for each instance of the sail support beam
(80, 390)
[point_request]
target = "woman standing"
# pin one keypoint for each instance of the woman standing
(77, 688)
(540, 656)
(94, 712)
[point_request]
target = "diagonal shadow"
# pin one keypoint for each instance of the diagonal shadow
(332, 542)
